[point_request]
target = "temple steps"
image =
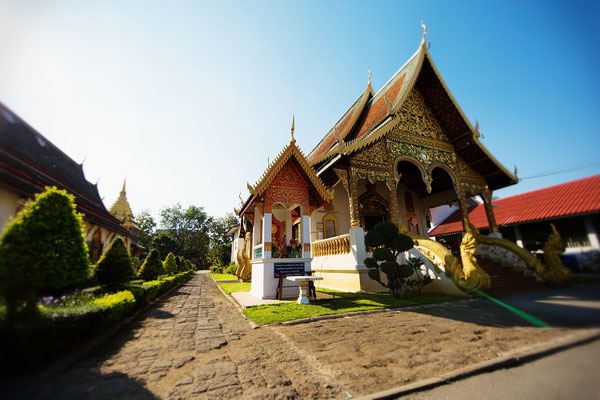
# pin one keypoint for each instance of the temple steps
(505, 280)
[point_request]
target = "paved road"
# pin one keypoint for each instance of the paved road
(577, 306)
(570, 374)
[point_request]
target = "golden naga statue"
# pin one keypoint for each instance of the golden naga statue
(468, 275)
(552, 271)
(244, 271)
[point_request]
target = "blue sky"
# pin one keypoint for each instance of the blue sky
(188, 99)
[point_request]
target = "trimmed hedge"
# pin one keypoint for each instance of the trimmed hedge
(27, 343)
(114, 267)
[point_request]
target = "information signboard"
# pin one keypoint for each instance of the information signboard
(288, 269)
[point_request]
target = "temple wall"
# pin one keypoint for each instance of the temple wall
(9, 204)
(340, 211)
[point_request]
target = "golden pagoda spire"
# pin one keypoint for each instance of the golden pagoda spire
(292, 140)
(123, 190)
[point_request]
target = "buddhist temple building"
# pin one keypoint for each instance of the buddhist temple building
(392, 156)
(29, 162)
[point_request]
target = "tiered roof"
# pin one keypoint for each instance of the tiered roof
(291, 153)
(581, 196)
(376, 116)
(29, 162)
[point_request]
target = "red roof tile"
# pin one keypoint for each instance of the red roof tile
(575, 197)
(378, 110)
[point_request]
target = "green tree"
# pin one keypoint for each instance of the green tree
(165, 243)
(388, 244)
(152, 267)
(189, 227)
(170, 265)
(114, 267)
(145, 222)
(220, 255)
(41, 250)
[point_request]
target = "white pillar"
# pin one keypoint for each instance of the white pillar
(305, 226)
(256, 229)
(266, 234)
(518, 235)
(357, 245)
(289, 223)
(592, 234)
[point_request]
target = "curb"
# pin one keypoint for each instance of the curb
(235, 304)
(71, 358)
(507, 361)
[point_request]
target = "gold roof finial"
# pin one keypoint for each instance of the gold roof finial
(370, 74)
(123, 190)
(424, 29)
(292, 140)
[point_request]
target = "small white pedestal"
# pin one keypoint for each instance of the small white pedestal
(303, 282)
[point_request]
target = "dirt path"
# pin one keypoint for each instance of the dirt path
(194, 344)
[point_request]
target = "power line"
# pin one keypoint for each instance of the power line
(561, 170)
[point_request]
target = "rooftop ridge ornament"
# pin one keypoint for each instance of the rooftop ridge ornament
(370, 74)
(424, 31)
(292, 140)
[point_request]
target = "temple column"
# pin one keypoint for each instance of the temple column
(266, 234)
(305, 235)
(357, 233)
(486, 196)
(464, 212)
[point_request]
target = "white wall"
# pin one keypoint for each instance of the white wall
(9, 203)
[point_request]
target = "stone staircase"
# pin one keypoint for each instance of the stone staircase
(506, 280)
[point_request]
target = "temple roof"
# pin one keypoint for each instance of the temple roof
(378, 116)
(581, 196)
(290, 153)
(29, 162)
(122, 211)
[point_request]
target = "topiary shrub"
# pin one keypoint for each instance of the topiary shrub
(170, 265)
(41, 250)
(135, 264)
(114, 267)
(388, 244)
(152, 267)
(189, 266)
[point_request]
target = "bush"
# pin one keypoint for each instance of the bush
(152, 267)
(118, 304)
(421, 280)
(114, 267)
(388, 244)
(170, 265)
(215, 269)
(232, 269)
(42, 250)
(135, 264)
(189, 266)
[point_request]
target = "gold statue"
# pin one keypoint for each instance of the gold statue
(244, 271)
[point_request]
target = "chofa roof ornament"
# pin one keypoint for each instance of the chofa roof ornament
(292, 140)
(424, 30)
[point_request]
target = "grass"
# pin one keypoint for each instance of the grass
(224, 277)
(344, 302)
(235, 287)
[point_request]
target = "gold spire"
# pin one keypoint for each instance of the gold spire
(123, 190)
(292, 140)
(122, 210)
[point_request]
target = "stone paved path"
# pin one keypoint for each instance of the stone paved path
(194, 344)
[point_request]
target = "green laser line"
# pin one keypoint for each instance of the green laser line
(520, 313)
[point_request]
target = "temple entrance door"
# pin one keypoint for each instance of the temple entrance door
(373, 208)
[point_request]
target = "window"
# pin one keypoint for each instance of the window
(329, 226)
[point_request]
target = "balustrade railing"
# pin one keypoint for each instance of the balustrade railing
(332, 246)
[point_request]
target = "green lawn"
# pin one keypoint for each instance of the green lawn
(235, 287)
(344, 302)
(224, 277)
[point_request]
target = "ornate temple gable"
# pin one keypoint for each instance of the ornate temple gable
(417, 125)
(289, 177)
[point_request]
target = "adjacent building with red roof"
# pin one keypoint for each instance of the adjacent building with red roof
(573, 207)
